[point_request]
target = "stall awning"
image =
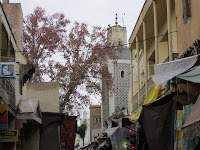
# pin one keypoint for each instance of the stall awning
(166, 71)
(157, 119)
(192, 76)
(114, 124)
(191, 128)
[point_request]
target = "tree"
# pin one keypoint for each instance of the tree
(84, 54)
(82, 130)
(43, 35)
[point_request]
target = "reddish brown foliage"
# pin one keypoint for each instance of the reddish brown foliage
(85, 54)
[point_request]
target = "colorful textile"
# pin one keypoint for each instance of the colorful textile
(178, 143)
(157, 119)
(189, 144)
(175, 129)
(186, 112)
(191, 128)
(155, 93)
(192, 76)
(68, 133)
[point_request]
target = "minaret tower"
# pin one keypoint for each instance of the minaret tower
(117, 35)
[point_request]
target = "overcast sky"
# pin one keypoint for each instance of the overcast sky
(93, 12)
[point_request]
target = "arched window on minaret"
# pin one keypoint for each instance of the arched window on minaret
(122, 74)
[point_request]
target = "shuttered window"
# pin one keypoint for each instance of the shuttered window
(186, 10)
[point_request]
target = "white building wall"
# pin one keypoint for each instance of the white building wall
(47, 93)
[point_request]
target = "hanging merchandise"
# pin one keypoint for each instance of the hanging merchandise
(166, 71)
(118, 139)
(192, 76)
(152, 97)
(157, 119)
(191, 128)
(110, 130)
(178, 131)
(188, 144)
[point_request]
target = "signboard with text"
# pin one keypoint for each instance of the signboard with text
(9, 134)
(7, 70)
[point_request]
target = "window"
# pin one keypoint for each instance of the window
(7, 87)
(186, 10)
(96, 120)
(99, 120)
(3, 83)
(21, 87)
(122, 74)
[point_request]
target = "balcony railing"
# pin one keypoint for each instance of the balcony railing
(7, 91)
(142, 97)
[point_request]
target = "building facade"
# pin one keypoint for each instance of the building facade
(95, 122)
(168, 32)
(187, 24)
(153, 41)
(11, 36)
(21, 101)
(47, 93)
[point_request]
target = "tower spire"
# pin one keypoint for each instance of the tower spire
(116, 19)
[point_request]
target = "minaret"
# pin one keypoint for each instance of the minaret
(85, 115)
(117, 35)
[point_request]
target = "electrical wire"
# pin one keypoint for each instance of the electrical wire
(89, 49)
(98, 48)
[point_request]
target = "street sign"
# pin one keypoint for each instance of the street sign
(9, 134)
(7, 69)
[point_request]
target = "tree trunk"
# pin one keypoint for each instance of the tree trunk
(72, 86)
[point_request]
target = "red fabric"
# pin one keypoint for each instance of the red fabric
(68, 130)
(132, 148)
(3, 113)
(9, 145)
(4, 117)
